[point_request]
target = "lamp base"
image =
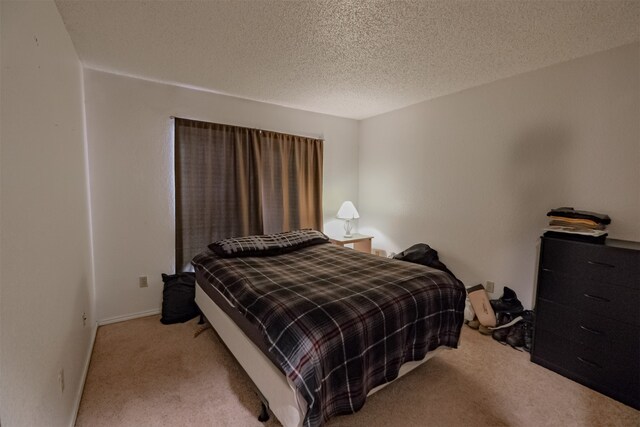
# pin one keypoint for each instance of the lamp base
(347, 228)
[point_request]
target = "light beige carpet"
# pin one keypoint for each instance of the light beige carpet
(143, 373)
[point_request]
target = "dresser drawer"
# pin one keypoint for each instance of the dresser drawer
(614, 302)
(596, 262)
(593, 367)
(619, 340)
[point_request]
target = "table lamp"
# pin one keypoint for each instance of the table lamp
(347, 212)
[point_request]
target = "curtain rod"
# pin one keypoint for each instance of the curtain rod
(246, 127)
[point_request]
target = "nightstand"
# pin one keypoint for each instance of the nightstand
(360, 242)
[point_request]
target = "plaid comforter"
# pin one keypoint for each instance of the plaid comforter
(340, 322)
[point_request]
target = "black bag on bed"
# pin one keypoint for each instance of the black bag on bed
(421, 253)
(178, 298)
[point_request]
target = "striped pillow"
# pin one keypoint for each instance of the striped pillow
(267, 244)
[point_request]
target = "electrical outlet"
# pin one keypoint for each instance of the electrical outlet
(490, 286)
(142, 281)
(61, 379)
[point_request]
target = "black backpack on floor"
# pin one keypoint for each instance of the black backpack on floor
(178, 298)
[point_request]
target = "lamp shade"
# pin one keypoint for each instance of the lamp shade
(348, 211)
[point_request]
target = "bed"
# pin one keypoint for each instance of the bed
(318, 327)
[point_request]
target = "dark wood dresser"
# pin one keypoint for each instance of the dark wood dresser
(588, 315)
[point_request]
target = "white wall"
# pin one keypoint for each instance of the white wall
(45, 269)
(131, 174)
(474, 173)
(1, 68)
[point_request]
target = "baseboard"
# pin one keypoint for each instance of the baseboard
(117, 319)
(83, 379)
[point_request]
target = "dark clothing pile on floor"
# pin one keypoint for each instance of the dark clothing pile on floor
(568, 223)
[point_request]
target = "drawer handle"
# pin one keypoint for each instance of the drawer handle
(546, 269)
(593, 331)
(596, 297)
(588, 362)
(601, 264)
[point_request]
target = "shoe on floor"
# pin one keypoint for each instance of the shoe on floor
(502, 333)
(521, 334)
(507, 303)
(516, 336)
(484, 330)
(528, 336)
(529, 318)
(474, 324)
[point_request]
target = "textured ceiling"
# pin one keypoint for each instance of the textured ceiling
(354, 58)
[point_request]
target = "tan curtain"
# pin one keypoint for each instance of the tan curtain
(291, 181)
(234, 181)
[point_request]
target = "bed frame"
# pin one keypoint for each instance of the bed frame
(273, 387)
